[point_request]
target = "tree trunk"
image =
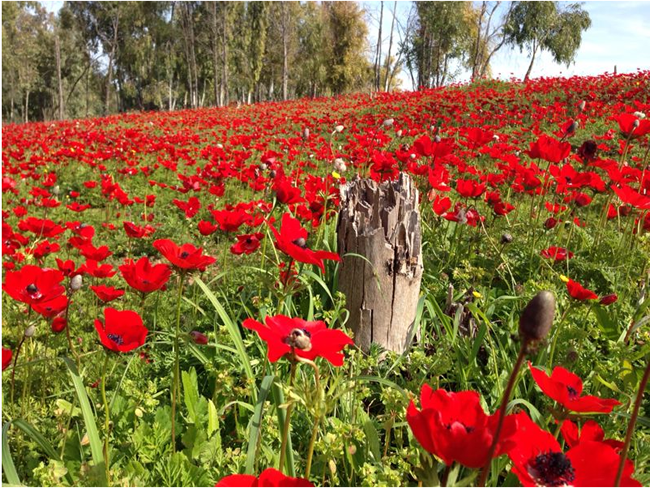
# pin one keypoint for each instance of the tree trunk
(26, 114)
(382, 224)
(532, 61)
(224, 78)
(390, 48)
(57, 50)
(111, 57)
(285, 52)
(477, 45)
(215, 51)
(378, 54)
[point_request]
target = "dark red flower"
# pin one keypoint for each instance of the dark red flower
(185, 257)
(579, 292)
(247, 243)
(143, 276)
(608, 299)
(556, 253)
(32, 284)
(121, 331)
(307, 339)
(58, 324)
(6, 358)
(107, 293)
(199, 337)
(136, 231)
(539, 461)
(565, 388)
(454, 427)
(268, 477)
(292, 240)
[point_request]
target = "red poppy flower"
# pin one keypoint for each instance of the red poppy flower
(590, 431)
(6, 358)
(230, 220)
(95, 253)
(68, 268)
(143, 276)
(247, 243)
(107, 293)
(579, 292)
(307, 339)
(136, 231)
(539, 461)
(121, 331)
(32, 284)
(549, 149)
(441, 205)
(58, 324)
(40, 227)
(454, 427)
(268, 477)
(470, 188)
(565, 388)
(206, 228)
(556, 253)
(292, 240)
(51, 308)
(185, 257)
(191, 207)
(631, 126)
(93, 268)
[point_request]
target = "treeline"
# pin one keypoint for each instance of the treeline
(94, 58)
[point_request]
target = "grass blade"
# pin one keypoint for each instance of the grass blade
(256, 423)
(7, 461)
(233, 330)
(87, 412)
(278, 399)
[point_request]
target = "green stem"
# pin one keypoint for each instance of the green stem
(176, 379)
(287, 418)
(502, 414)
(630, 426)
(107, 422)
(314, 434)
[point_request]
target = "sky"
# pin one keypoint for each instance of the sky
(619, 36)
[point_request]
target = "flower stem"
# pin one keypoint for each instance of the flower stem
(287, 418)
(176, 375)
(630, 426)
(314, 434)
(107, 422)
(502, 413)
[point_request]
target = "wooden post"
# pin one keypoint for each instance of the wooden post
(381, 222)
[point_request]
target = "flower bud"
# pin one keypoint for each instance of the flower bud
(537, 318)
(636, 123)
(506, 238)
(388, 122)
(399, 133)
(305, 133)
(608, 299)
(30, 331)
(339, 128)
(582, 105)
(56, 190)
(76, 282)
(199, 338)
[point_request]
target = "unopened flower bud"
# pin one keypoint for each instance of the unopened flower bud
(76, 282)
(30, 331)
(339, 128)
(582, 105)
(437, 139)
(573, 127)
(305, 133)
(399, 133)
(506, 238)
(388, 122)
(220, 146)
(263, 167)
(272, 174)
(199, 338)
(56, 190)
(636, 123)
(537, 318)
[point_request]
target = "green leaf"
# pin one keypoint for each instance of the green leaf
(7, 462)
(372, 438)
(233, 330)
(256, 423)
(88, 414)
(213, 418)
(191, 390)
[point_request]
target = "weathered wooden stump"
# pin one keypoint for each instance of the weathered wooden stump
(382, 224)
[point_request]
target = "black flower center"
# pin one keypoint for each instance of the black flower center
(184, 255)
(32, 289)
(573, 394)
(300, 242)
(249, 240)
(552, 469)
(116, 338)
(468, 428)
(299, 339)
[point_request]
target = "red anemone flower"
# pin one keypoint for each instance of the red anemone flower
(143, 276)
(206, 228)
(307, 339)
(186, 257)
(590, 431)
(268, 477)
(608, 299)
(92, 268)
(51, 308)
(565, 388)
(107, 293)
(32, 284)
(247, 243)
(556, 253)
(539, 461)
(6, 358)
(121, 331)
(292, 240)
(579, 292)
(454, 427)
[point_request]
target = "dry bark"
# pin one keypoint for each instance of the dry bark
(382, 224)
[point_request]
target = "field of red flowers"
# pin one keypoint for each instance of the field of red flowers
(171, 313)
